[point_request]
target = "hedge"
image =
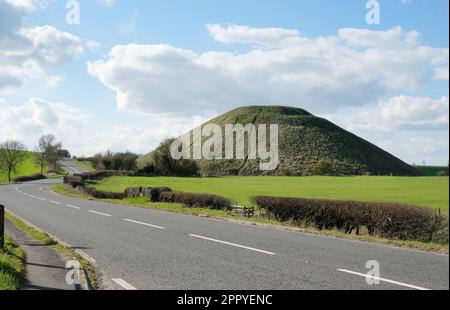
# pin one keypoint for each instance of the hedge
(103, 194)
(388, 220)
(34, 177)
(192, 200)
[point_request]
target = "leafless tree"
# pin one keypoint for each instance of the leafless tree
(48, 152)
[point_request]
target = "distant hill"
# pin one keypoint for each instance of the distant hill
(433, 170)
(304, 140)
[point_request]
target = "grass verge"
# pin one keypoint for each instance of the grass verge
(84, 164)
(229, 216)
(12, 266)
(94, 278)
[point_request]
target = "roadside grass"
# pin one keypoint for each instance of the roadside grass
(92, 273)
(424, 191)
(272, 224)
(27, 167)
(12, 266)
(84, 164)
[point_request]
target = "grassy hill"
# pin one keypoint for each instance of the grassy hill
(28, 167)
(304, 140)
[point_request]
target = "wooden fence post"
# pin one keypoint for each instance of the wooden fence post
(2, 227)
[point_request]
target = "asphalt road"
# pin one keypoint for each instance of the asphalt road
(150, 249)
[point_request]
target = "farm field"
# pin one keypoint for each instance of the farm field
(28, 167)
(425, 191)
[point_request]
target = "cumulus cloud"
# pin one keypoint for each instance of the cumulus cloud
(29, 52)
(397, 113)
(353, 68)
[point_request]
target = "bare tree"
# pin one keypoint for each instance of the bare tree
(11, 155)
(48, 152)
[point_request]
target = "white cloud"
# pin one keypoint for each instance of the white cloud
(108, 3)
(353, 68)
(441, 74)
(397, 113)
(29, 52)
(247, 35)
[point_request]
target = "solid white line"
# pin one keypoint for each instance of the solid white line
(55, 202)
(73, 207)
(232, 244)
(146, 224)
(384, 280)
(124, 284)
(100, 213)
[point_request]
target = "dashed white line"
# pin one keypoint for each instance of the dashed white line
(55, 202)
(100, 213)
(73, 207)
(124, 284)
(32, 196)
(43, 199)
(145, 224)
(384, 280)
(232, 244)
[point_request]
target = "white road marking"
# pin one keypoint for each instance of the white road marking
(384, 280)
(43, 199)
(232, 244)
(73, 207)
(32, 196)
(124, 284)
(55, 202)
(146, 224)
(100, 213)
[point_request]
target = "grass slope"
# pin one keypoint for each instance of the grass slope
(27, 167)
(430, 192)
(12, 266)
(304, 140)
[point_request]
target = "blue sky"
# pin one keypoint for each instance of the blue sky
(131, 102)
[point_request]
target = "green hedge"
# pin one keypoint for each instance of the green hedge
(193, 200)
(388, 220)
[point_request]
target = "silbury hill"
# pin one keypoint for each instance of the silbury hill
(308, 145)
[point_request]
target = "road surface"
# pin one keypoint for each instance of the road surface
(139, 248)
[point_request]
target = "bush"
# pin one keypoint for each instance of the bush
(192, 200)
(388, 220)
(322, 167)
(103, 194)
(74, 181)
(34, 177)
(155, 193)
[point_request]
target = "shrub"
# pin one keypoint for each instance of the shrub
(103, 194)
(193, 200)
(323, 167)
(74, 181)
(389, 220)
(155, 193)
(34, 177)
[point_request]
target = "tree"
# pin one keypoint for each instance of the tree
(323, 167)
(165, 164)
(11, 155)
(48, 152)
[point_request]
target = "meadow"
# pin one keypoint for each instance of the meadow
(425, 191)
(27, 167)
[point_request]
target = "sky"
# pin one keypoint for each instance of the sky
(132, 73)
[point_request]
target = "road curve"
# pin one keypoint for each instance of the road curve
(139, 248)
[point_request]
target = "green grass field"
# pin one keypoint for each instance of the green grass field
(84, 164)
(426, 191)
(12, 266)
(28, 167)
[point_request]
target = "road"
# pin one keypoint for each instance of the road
(139, 248)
